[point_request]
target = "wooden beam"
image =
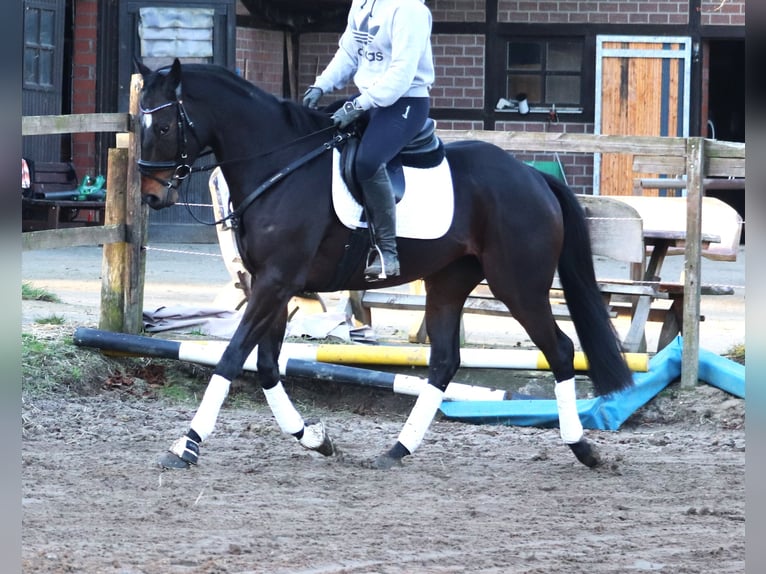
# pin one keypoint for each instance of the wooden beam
(72, 237)
(136, 221)
(74, 123)
(113, 270)
(572, 143)
(693, 251)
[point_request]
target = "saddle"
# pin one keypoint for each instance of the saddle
(425, 150)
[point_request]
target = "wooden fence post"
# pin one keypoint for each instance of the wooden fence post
(136, 217)
(695, 165)
(112, 313)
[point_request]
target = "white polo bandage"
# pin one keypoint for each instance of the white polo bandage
(207, 413)
(566, 403)
(288, 419)
(429, 400)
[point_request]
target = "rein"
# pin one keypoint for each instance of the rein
(236, 215)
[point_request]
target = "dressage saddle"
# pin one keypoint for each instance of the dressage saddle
(425, 150)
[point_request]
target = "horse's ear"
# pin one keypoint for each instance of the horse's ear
(174, 77)
(141, 68)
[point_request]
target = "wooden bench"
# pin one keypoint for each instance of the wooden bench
(39, 212)
(616, 231)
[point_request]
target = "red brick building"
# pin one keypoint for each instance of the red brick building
(564, 54)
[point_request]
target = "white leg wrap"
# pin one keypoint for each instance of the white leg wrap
(420, 417)
(207, 413)
(288, 419)
(569, 421)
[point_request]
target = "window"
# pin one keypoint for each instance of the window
(39, 46)
(547, 71)
(175, 32)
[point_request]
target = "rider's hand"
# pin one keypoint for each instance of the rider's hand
(347, 114)
(311, 97)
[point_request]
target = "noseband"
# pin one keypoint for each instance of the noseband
(180, 166)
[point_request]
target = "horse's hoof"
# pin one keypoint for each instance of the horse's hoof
(172, 461)
(586, 453)
(327, 448)
(385, 462)
(315, 437)
(182, 453)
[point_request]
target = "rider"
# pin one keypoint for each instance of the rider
(386, 47)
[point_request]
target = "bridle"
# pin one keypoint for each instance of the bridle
(182, 170)
(180, 166)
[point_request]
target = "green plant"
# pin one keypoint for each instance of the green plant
(50, 320)
(736, 353)
(31, 293)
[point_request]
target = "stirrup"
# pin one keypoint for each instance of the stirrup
(368, 275)
(372, 276)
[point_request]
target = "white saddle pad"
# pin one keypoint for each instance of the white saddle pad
(425, 211)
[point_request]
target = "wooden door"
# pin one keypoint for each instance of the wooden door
(42, 65)
(642, 88)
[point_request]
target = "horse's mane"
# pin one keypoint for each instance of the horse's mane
(221, 78)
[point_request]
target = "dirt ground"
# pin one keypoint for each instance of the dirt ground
(669, 496)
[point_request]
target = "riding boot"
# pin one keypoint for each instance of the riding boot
(381, 210)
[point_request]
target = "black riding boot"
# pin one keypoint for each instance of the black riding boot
(381, 210)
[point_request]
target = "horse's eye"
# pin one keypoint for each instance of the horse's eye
(164, 129)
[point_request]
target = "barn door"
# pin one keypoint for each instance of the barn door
(642, 88)
(156, 32)
(42, 72)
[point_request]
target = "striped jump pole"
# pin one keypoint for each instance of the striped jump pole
(209, 353)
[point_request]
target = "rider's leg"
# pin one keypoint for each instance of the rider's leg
(388, 131)
(381, 210)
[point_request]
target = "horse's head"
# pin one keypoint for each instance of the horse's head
(169, 144)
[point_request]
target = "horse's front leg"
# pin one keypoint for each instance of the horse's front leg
(256, 321)
(264, 324)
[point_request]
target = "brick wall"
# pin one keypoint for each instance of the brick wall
(459, 67)
(457, 10)
(593, 11)
(578, 167)
(723, 12)
(260, 55)
(84, 82)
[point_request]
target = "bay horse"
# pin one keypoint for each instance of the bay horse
(512, 225)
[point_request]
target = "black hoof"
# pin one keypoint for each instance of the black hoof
(172, 461)
(386, 461)
(327, 448)
(586, 453)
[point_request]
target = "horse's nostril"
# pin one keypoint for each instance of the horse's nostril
(151, 200)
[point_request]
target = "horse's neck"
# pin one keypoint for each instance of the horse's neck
(266, 149)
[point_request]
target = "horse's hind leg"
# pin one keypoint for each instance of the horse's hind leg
(446, 293)
(529, 304)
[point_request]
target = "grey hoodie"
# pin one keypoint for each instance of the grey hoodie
(386, 48)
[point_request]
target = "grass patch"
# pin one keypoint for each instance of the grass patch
(31, 293)
(736, 354)
(52, 364)
(50, 320)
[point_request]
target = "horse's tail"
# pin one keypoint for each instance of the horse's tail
(599, 340)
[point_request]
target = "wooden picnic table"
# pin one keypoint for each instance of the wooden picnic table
(664, 230)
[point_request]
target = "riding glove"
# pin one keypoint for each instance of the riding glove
(311, 97)
(347, 114)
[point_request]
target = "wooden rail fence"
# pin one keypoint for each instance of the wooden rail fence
(124, 232)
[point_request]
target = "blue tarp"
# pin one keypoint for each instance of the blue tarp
(605, 413)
